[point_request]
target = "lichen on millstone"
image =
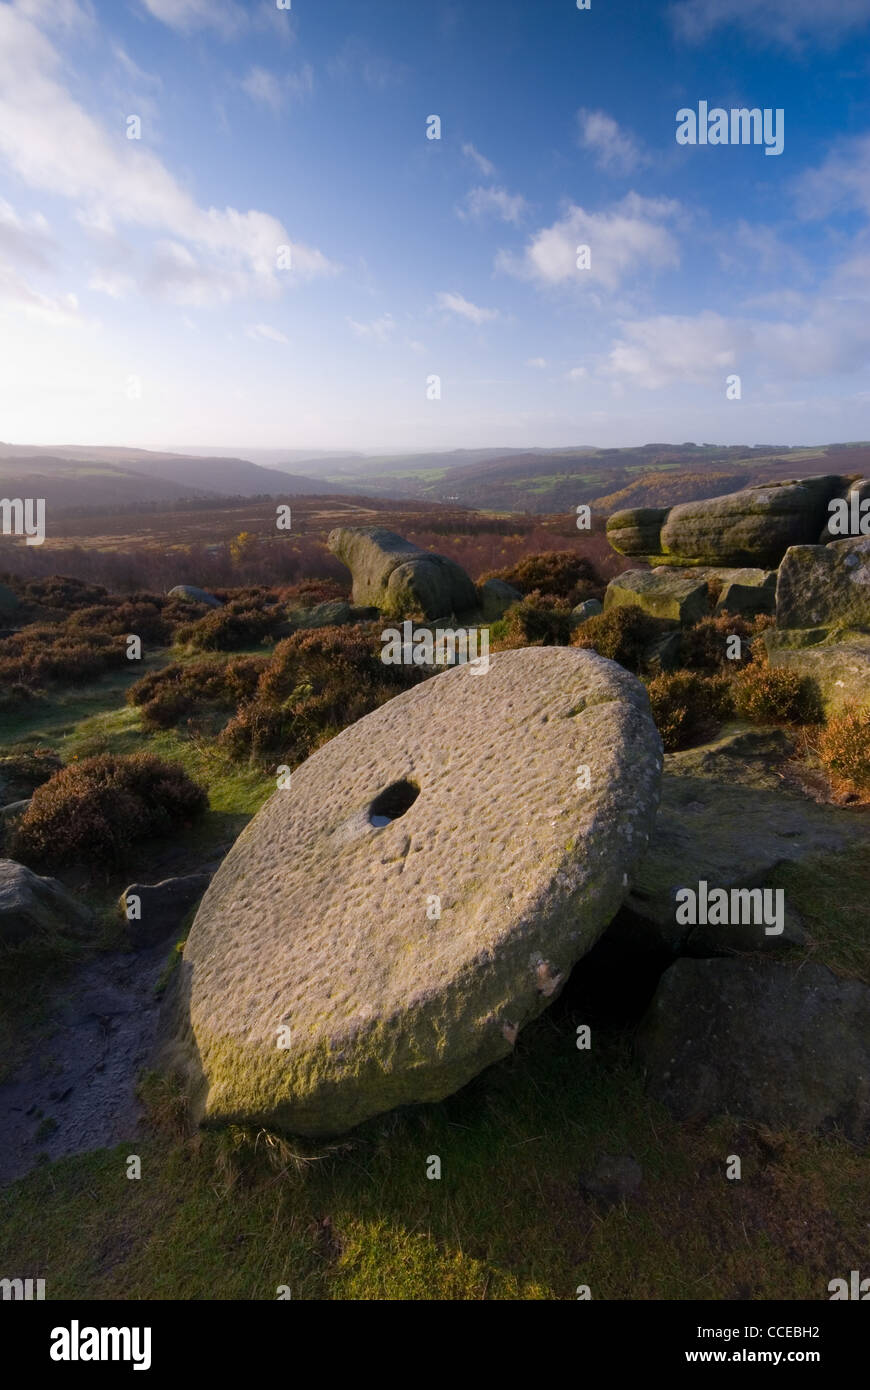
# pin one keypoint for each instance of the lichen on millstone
(752, 527)
(400, 578)
(466, 794)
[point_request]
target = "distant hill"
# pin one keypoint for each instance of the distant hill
(554, 480)
(512, 480)
(74, 476)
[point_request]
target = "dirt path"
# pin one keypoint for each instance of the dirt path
(77, 1089)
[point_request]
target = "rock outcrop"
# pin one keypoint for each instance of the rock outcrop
(753, 527)
(160, 908)
(384, 927)
(195, 595)
(825, 585)
(399, 578)
(838, 662)
(779, 1046)
(680, 596)
(496, 597)
(30, 905)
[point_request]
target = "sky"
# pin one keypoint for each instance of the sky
(225, 224)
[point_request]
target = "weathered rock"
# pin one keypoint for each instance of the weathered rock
(637, 531)
(589, 608)
(725, 819)
(747, 592)
(31, 905)
(681, 596)
(771, 1044)
(398, 577)
(838, 662)
(664, 653)
(162, 906)
(11, 814)
(459, 796)
(752, 527)
(825, 585)
(851, 520)
(496, 597)
(195, 595)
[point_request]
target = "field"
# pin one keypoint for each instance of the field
(240, 1213)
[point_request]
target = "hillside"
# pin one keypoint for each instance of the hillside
(98, 477)
(553, 480)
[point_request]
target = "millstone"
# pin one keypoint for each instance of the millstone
(385, 926)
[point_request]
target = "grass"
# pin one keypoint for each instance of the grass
(235, 1214)
(831, 893)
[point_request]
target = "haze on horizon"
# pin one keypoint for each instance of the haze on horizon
(142, 304)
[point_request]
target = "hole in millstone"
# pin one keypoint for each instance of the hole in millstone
(398, 798)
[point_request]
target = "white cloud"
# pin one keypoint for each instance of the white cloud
(669, 348)
(623, 241)
(614, 148)
(788, 22)
(187, 15)
(133, 71)
(357, 58)
(536, 362)
(483, 164)
(264, 87)
(266, 332)
(577, 373)
(23, 239)
(53, 309)
(493, 202)
(52, 143)
(832, 338)
(378, 329)
(465, 309)
(841, 181)
(113, 283)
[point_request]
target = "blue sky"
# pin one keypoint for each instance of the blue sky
(141, 297)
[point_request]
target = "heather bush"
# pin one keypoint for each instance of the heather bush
(532, 623)
(231, 628)
(315, 685)
(554, 574)
(687, 706)
(704, 647)
(770, 695)
(96, 810)
(180, 690)
(844, 748)
(60, 591)
(623, 634)
(38, 655)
